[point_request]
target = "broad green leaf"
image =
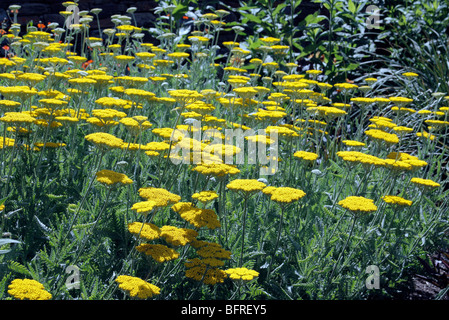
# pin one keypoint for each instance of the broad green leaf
(351, 6)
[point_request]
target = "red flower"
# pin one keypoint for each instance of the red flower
(86, 64)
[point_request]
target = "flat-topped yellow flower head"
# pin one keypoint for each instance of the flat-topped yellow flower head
(425, 184)
(205, 196)
(196, 216)
(242, 274)
(397, 201)
(104, 141)
(161, 196)
(27, 289)
(136, 287)
(246, 187)
(286, 195)
(112, 178)
(358, 204)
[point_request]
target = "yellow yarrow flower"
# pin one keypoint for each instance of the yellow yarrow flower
(136, 124)
(158, 252)
(246, 186)
(124, 58)
(144, 207)
(260, 138)
(53, 103)
(380, 135)
(161, 196)
(178, 236)
(6, 142)
(397, 201)
(199, 270)
(285, 195)
(136, 287)
(353, 143)
(104, 140)
(112, 178)
(17, 118)
(216, 169)
(397, 165)
(108, 114)
(282, 131)
(415, 162)
(9, 104)
(242, 274)
(401, 101)
(197, 216)
(358, 204)
(139, 94)
(359, 157)
(269, 41)
(185, 96)
(305, 155)
(146, 231)
(425, 183)
(211, 250)
(157, 146)
(27, 289)
(205, 196)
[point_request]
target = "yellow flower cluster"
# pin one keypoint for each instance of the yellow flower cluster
(305, 155)
(242, 274)
(413, 161)
(199, 270)
(380, 135)
(160, 196)
(27, 289)
(216, 169)
(17, 118)
(397, 201)
(426, 183)
(146, 231)
(353, 143)
(211, 250)
(197, 216)
(136, 287)
(284, 195)
(144, 207)
(206, 268)
(360, 157)
(178, 236)
(246, 186)
(159, 252)
(358, 204)
(112, 178)
(104, 141)
(205, 196)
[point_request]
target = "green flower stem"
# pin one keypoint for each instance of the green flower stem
(3, 150)
(13, 155)
(47, 132)
(277, 241)
(93, 227)
(340, 255)
(100, 156)
(245, 212)
(222, 207)
(131, 255)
